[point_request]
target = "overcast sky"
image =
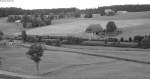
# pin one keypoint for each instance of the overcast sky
(82, 4)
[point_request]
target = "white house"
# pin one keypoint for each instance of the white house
(109, 12)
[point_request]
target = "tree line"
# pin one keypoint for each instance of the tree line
(18, 11)
(129, 8)
(4, 12)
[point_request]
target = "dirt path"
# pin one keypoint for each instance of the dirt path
(12, 75)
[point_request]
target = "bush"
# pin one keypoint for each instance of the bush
(145, 43)
(32, 39)
(77, 15)
(24, 36)
(73, 40)
(88, 16)
(121, 39)
(1, 35)
(112, 40)
(54, 42)
(130, 39)
(138, 38)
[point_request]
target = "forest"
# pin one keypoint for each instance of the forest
(18, 11)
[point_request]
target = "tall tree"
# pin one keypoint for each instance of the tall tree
(111, 27)
(24, 36)
(1, 35)
(35, 53)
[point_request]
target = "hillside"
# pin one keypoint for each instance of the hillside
(132, 23)
(136, 22)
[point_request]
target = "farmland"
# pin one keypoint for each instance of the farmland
(76, 27)
(83, 62)
(57, 63)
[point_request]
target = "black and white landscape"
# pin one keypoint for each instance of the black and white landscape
(108, 42)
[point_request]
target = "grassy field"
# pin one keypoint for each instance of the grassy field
(131, 24)
(67, 62)
(15, 59)
(61, 64)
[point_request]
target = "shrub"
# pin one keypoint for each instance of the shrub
(77, 15)
(122, 39)
(24, 36)
(1, 35)
(54, 42)
(74, 40)
(111, 27)
(138, 38)
(130, 39)
(112, 39)
(88, 16)
(145, 43)
(32, 39)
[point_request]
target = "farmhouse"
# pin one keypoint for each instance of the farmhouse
(109, 12)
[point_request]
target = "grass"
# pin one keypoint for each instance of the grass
(131, 23)
(66, 65)
(15, 59)
(61, 64)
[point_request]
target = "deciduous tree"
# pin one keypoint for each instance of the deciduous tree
(35, 53)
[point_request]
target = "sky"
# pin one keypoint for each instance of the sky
(81, 4)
